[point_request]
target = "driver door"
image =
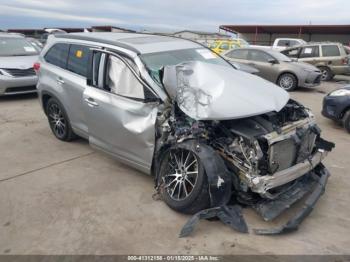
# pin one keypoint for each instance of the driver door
(119, 110)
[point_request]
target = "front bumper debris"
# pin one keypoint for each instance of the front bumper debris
(308, 206)
(229, 215)
(313, 183)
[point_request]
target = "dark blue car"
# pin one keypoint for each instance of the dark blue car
(336, 106)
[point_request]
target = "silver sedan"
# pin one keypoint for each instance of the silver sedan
(17, 57)
(277, 68)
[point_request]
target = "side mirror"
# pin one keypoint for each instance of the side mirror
(272, 61)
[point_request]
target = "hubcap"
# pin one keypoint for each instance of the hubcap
(182, 174)
(286, 82)
(57, 120)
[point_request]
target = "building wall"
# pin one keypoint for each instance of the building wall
(267, 39)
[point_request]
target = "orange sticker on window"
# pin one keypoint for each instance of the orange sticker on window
(79, 53)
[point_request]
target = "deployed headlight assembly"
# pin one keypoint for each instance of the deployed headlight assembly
(340, 92)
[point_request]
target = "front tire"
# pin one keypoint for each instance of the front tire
(58, 121)
(183, 182)
(346, 121)
(288, 82)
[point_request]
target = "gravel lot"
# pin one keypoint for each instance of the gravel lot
(66, 198)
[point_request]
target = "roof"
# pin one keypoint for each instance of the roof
(139, 43)
(288, 29)
(199, 32)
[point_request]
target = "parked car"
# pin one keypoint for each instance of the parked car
(336, 106)
(220, 46)
(174, 109)
(282, 43)
(277, 68)
(17, 57)
(331, 58)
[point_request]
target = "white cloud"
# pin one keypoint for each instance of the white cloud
(180, 14)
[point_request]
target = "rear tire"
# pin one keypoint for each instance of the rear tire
(59, 121)
(183, 182)
(288, 82)
(346, 121)
(326, 73)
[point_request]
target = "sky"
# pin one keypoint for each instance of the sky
(167, 15)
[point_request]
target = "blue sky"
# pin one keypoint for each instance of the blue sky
(166, 15)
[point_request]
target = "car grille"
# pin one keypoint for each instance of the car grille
(287, 153)
(20, 72)
(20, 89)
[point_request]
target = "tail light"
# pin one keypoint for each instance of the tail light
(345, 61)
(36, 67)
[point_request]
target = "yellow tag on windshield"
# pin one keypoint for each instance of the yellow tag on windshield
(79, 53)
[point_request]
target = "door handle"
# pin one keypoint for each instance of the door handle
(91, 102)
(60, 81)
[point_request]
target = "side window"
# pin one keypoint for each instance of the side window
(309, 51)
(291, 52)
(293, 43)
(283, 43)
(238, 54)
(78, 59)
(330, 50)
(259, 56)
(121, 81)
(58, 55)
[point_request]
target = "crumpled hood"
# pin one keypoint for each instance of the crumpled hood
(207, 91)
(17, 62)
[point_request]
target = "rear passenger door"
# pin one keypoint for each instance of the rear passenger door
(75, 84)
(310, 54)
(120, 110)
(331, 55)
(65, 75)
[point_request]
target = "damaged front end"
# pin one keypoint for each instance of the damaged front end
(257, 147)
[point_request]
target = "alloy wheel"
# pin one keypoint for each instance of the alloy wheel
(182, 174)
(287, 82)
(57, 120)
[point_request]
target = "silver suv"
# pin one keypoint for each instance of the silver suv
(17, 57)
(172, 108)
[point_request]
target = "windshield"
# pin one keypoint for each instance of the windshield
(281, 57)
(16, 47)
(155, 61)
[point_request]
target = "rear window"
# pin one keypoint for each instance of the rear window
(58, 55)
(16, 47)
(330, 50)
(78, 59)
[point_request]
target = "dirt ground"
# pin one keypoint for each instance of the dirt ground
(66, 198)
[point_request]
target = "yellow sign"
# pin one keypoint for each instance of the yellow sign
(79, 53)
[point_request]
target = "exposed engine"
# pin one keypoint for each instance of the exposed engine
(253, 147)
